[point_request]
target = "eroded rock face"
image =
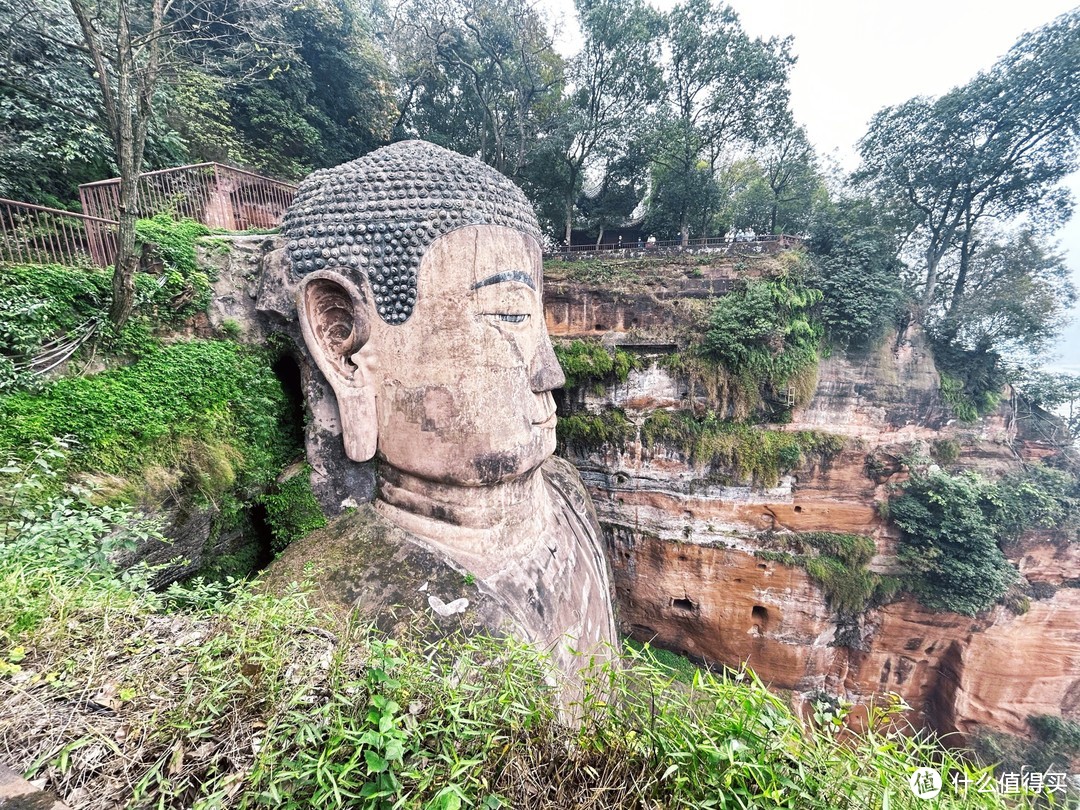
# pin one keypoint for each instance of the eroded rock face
(684, 547)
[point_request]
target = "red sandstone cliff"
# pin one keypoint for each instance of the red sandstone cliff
(682, 546)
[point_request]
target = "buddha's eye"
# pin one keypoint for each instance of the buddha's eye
(511, 318)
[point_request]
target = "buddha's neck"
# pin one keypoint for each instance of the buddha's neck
(477, 526)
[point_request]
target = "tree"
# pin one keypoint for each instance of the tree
(130, 46)
(856, 268)
(330, 102)
(1058, 392)
(619, 194)
(994, 149)
(51, 137)
(613, 81)
(477, 76)
(724, 88)
(1014, 294)
(790, 172)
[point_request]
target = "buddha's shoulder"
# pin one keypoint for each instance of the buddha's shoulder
(361, 562)
(564, 478)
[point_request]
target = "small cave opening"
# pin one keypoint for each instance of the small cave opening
(798, 509)
(685, 604)
(600, 327)
(261, 536)
(287, 370)
(760, 616)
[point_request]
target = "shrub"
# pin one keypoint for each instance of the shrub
(736, 451)
(837, 563)
(763, 333)
(589, 431)
(945, 451)
(1037, 497)
(950, 542)
(172, 407)
(292, 512)
(586, 361)
(855, 267)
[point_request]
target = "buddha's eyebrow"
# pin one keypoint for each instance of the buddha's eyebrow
(506, 275)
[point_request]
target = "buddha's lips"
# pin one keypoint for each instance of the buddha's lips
(548, 422)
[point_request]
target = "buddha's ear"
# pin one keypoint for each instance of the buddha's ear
(335, 320)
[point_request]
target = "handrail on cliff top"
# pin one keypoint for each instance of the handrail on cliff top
(37, 234)
(215, 194)
(765, 244)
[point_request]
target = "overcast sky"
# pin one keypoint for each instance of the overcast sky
(857, 56)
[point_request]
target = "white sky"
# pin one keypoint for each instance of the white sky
(857, 56)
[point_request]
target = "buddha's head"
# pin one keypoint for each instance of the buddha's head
(420, 301)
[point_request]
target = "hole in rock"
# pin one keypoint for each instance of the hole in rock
(261, 538)
(763, 566)
(760, 615)
(288, 373)
(600, 327)
(684, 604)
(798, 508)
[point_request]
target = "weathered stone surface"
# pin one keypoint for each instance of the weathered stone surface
(682, 548)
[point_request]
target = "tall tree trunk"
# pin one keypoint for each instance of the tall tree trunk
(569, 220)
(129, 163)
(684, 233)
(600, 238)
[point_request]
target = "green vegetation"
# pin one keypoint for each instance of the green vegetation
(855, 265)
(201, 417)
(945, 451)
(678, 667)
(954, 527)
(39, 303)
(837, 562)
(292, 511)
(950, 543)
(1056, 744)
(592, 431)
(277, 704)
(1038, 497)
(42, 303)
(587, 362)
(736, 452)
(970, 404)
(765, 340)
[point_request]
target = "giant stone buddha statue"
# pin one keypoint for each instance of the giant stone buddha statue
(418, 289)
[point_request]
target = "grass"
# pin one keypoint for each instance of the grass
(226, 696)
(738, 452)
(837, 562)
(201, 415)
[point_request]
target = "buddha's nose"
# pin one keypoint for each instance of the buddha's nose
(545, 373)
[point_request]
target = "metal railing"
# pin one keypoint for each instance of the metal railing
(34, 234)
(214, 194)
(763, 245)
